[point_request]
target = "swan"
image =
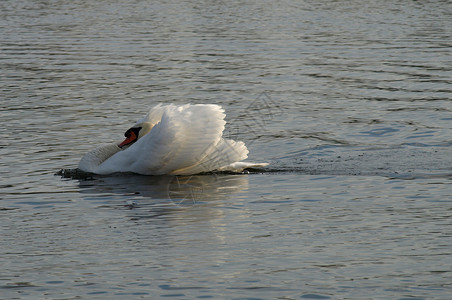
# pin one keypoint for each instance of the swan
(172, 140)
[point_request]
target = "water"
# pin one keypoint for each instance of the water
(350, 102)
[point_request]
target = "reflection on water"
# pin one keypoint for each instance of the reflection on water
(167, 203)
(168, 192)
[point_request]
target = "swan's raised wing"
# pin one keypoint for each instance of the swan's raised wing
(187, 140)
(217, 157)
(155, 114)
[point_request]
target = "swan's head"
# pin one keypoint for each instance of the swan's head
(135, 133)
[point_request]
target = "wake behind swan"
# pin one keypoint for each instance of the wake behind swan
(174, 140)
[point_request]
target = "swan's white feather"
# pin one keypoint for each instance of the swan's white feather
(90, 161)
(155, 114)
(185, 140)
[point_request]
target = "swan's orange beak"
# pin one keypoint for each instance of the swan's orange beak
(131, 138)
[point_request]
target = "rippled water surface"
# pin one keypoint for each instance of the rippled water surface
(349, 101)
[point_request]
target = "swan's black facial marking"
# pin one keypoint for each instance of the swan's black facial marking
(131, 131)
(131, 136)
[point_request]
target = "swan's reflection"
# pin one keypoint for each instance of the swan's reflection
(163, 194)
(164, 210)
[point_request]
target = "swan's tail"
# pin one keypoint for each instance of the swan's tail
(240, 166)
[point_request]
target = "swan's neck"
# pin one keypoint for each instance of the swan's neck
(92, 160)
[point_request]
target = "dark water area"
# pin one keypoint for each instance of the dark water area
(349, 102)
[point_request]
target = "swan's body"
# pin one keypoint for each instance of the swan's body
(170, 139)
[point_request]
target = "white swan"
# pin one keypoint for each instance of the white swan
(170, 139)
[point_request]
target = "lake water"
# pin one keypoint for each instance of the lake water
(349, 102)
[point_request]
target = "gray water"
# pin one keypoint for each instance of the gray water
(349, 102)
